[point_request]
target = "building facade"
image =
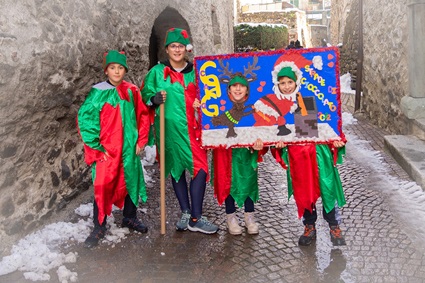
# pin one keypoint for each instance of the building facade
(276, 12)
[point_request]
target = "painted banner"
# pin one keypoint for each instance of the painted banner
(272, 108)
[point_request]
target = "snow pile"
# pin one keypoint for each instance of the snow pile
(345, 84)
(149, 160)
(348, 119)
(40, 252)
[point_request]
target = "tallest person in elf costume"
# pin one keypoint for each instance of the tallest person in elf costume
(172, 82)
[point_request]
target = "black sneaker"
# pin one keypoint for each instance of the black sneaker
(283, 130)
(134, 224)
(95, 236)
(308, 236)
(336, 237)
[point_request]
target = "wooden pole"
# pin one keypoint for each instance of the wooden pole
(162, 164)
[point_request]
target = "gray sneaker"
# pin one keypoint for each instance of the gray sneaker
(181, 225)
(203, 226)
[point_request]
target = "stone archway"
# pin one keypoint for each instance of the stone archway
(168, 18)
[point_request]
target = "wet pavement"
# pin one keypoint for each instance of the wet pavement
(382, 223)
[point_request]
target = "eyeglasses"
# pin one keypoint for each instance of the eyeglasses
(176, 46)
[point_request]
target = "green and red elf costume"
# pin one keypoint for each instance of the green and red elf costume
(235, 173)
(183, 148)
(182, 130)
(114, 119)
(312, 173)
(235, 170)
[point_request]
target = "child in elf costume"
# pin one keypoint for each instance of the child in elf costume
(235, 171)
(113, 123)
(172, 82)
(312, 173)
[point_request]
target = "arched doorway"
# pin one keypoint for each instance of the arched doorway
(168, 18)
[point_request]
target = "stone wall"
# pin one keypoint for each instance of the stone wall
(339, 14)
(385, 73)
(319, 33)
(385, 76)
(345, 31)
(50, 55)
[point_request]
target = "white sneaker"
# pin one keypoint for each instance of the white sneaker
(233, 224)
(250, 223)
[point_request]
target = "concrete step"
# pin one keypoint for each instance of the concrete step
(417, 128)
(409, 152)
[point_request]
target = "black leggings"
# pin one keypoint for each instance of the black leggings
(197, 192)
(311, 217)
(129, 211)
(231, 208)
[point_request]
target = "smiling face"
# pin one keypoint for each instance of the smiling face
(115, 73)
(238, 92)
(286, 85)
(176, 53)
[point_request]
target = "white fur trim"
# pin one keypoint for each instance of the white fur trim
(189, 47)
(265, 109)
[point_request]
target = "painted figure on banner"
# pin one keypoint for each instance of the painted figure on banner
(272, 108)
(231, 117)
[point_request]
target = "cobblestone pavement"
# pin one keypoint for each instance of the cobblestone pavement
(383, 240)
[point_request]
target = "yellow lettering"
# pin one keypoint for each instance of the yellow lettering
(212, 89)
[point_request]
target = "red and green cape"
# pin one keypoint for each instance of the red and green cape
(312, 173)
(114, 119)
(235, 173)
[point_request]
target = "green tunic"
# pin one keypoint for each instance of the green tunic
(235, 173)
(311, 173)
(182, 131)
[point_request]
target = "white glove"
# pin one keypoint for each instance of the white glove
(293, 108)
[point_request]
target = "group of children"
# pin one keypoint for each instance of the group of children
(114, 124)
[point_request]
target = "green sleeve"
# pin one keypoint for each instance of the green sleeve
(151, 84)
(89, 121)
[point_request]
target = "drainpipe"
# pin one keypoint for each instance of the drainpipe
(359, 75)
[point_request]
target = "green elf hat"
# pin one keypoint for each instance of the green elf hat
(178, 35)
(287, 72)
(238, 79)
(113, 56)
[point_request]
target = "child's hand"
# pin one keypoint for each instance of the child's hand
(258, 145)
(105, 157)
(338, 144)
(293, 108)
(159, 97)
(139, 149)
(196, 103)
(280, 144)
